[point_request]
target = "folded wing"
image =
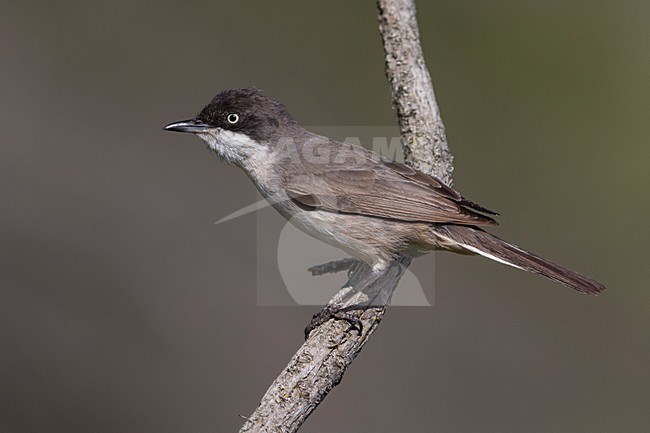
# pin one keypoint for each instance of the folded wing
(386, 190)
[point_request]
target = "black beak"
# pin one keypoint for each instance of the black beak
(192, 125)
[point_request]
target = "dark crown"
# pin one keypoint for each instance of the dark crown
(259, 117)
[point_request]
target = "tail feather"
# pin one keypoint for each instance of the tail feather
(480, 242)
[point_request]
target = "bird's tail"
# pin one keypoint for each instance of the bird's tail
(475, 240)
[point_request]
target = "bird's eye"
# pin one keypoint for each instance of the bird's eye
(232, 118)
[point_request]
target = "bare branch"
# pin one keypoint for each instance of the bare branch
(319, 364)
(322, 360)
(421, 127)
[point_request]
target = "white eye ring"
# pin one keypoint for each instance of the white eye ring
(232, 118)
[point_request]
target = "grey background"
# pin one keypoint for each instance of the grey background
(124, 309)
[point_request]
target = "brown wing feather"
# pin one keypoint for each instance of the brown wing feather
(385, 190)
(425, 179)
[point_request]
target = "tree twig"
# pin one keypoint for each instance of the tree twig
(423, 133)
(322, 360)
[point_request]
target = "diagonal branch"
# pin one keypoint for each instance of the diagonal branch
(320, 363)
(423, 133)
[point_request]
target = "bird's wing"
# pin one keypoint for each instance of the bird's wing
(385, 190)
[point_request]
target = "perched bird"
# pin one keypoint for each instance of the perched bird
(350, 197)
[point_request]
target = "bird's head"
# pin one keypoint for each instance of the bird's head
(238, 124)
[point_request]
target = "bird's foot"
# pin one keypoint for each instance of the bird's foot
(332, 267)
(336, 313)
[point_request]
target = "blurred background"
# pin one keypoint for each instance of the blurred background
(123, 308)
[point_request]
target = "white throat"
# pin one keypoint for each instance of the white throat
(234, 147)
(241, 150)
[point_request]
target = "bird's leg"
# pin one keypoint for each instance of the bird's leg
(361, 292)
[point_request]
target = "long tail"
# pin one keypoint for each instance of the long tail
(477, 241)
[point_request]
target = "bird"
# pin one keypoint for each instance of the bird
(372, 208)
